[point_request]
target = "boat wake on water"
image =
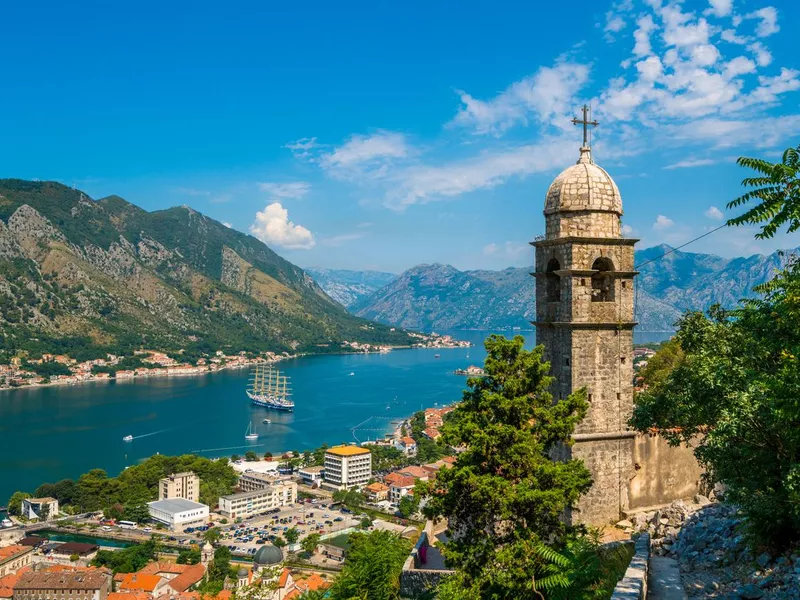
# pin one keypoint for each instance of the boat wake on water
(130, 438)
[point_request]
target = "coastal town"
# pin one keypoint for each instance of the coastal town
(61, 369)
(283, 531)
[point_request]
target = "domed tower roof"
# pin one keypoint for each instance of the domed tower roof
(583, 187)
(268, 555)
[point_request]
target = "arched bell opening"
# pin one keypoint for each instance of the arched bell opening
(603, 280)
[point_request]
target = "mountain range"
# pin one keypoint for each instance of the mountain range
(438, 297)
(77, 272)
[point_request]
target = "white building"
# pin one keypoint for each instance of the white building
(406, 445)
(250, 481)
(180, 485)
(246, 504)
(312, 476)
(40, 508)
(347, 466)
(178, 513)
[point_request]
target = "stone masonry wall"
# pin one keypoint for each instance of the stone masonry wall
(611, 465)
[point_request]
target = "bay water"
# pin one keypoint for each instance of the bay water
(51, 433)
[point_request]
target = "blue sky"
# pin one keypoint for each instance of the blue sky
(370, 135)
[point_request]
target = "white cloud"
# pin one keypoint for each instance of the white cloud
(768, 21)
(763, 132)
(714, 213)
(645, 26)
(361, 150)
(543, 95)
(686, 164)
(272, 226)
(762, 54)
(192, 191)
(662, 223)
(304, 147)
(705, 55)
(228, 225)
(420, 184)
(339, 240)
(627, 230)
(741, 65)
(508, 250)
(292, 190)
(730, 36)
(721, 8)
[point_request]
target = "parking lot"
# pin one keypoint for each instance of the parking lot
(246, 537)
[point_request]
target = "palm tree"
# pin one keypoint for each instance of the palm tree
(778, 190)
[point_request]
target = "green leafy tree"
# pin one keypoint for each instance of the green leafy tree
(661, 364)
(366, 523)
(212, 535)
(219, 567)
(373, 567)
(292, 535)
(736, 395)
(128, 560)
(279, 542)
(15, 503)
(350, 498)
(310, 543)
(235, 457)
(267, 455)
(776, 191)
(408, 505)
(505, 495)
(189, 556)
(137, 513)
(250, 456)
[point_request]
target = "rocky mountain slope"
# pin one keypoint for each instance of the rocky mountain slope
(349, 287)
(75, 272)
(438, 297)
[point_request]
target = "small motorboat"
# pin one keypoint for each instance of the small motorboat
(127, 438)
(266, 421)
(351, 373)
(437, 356)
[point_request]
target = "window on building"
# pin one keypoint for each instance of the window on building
(603, 280)
(553, 281)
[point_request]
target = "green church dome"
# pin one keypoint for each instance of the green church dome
(268, 555)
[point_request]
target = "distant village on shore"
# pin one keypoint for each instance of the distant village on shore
(22, 371)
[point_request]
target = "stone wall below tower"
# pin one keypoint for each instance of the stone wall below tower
(611, 465)
(663, 473)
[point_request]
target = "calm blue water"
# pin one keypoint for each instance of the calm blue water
(51, 433)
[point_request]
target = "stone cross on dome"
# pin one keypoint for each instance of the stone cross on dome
(586, 123)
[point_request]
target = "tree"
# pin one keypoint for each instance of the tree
(44, 512)
(661, 364)
(219, 567)
(408, 505)
(138, 513)
(250, 456)
(212, 535)
(279, 542)
(310, 543)
(739, 386)
(127, 560)
(351, 498)
(15, 503)
(116, 511)
(292, 535)
(366, 523)
(373, 567)
(189, 556)
(777, 191)
(235, 457)
(267, 455)
(505, 495)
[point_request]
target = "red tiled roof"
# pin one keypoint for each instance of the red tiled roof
(154, 568)
(413, 471)
(392, 477)
(8, 582)
(405, 482)
(376, 487)
(190, 576)
(9, 552)
(130, 596)
(283, 578)
(139, 581)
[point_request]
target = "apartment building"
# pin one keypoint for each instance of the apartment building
(347, 466)
(180, 485)
(246, 504)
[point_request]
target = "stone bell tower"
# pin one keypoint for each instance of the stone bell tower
(584, 317)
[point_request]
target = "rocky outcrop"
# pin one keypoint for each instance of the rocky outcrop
(715, 560)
